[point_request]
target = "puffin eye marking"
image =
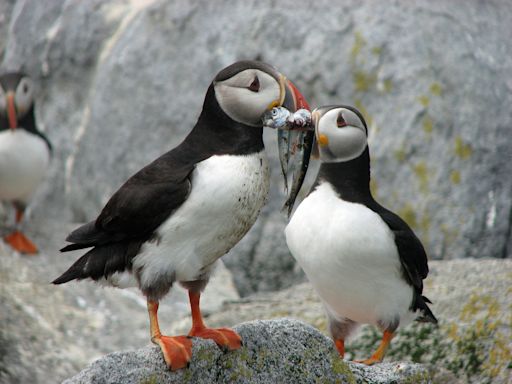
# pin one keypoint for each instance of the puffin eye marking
(340, 121)
(25, 88)
(255, 85)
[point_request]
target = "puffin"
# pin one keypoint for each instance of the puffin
(172, 220)
(24, 152)
(363, 260)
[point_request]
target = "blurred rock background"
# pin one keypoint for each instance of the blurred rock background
(122, 81)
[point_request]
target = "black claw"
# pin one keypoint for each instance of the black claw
(189, 337)
(224, 348)
(241, 343)
(188, 365)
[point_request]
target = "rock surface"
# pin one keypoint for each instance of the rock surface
(123, 81)
(278, 351)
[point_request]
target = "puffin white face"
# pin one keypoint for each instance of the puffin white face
(24, 96)
(340, 133)
(246, 95)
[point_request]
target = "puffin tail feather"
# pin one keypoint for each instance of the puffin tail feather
(426, 315)
(76, 271)
(102, 261)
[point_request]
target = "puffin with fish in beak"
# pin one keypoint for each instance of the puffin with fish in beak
(24, 151)
(364, 261)
(173, 219)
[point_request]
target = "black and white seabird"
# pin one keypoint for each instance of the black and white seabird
(173, 219)
(24, 151)
(364, 261)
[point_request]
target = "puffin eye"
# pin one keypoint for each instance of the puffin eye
(255, 85)
(25, 87)
(340, 121)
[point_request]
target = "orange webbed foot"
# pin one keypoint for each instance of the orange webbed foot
(177, 350)
(225, 338)
(371, 361)
(18, 241)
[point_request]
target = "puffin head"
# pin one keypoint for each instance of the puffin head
(16, 98)
(247, 89)
(341, 133)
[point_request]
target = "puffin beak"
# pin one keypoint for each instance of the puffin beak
(11, 110)
(293, 99)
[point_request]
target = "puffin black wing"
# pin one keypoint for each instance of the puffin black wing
(413, 259)
(131, 217)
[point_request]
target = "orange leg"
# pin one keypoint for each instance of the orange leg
(17, 240)
(381, 351)
(225, 338)
(177, 350)
(340, 346)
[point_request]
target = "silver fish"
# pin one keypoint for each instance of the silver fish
(304, 145)
(277, 117)
(295, 140)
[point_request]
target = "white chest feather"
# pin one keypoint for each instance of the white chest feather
(24, 159)
(349, 255)
(226, 197)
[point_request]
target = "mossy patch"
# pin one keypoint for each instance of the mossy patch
(436, 89)
(422, 173)
(408, 214)
(473, 346)
(400, 154)
(373, 187)
(359, 43)
(424, 100)
(153, 379)
(428, 124)
(339, 367)
(455, 177)
(462, 150)
(363, 81)
(387, 85)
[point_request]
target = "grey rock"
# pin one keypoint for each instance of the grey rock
(279, 351)
(123, 81)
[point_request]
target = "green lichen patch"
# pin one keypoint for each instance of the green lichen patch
(357, 46)
(377, 51)
(473, 347)
(340, 367)
(400, 154)
(428, 124)
(436, 89)
(363, 81)
(424, 100)
(374, 187)
(153, 379)
(462, 150)
(387, 85)
(422, 173)
(455, 177)
(408, 214)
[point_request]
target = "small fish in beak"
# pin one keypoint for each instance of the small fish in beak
(295, 136)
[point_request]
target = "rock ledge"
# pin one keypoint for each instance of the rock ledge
(276, 351)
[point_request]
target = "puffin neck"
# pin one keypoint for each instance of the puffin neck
(217, 132)
(350, 179)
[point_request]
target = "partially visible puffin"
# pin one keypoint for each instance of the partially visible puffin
(24, 151)
(364, 261)
(173, 219)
